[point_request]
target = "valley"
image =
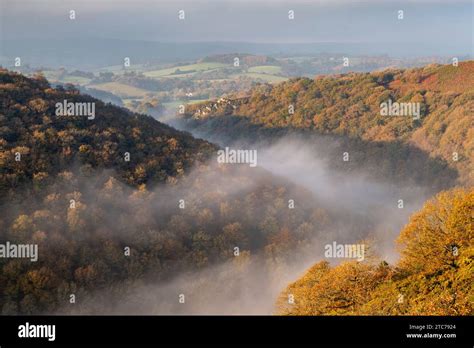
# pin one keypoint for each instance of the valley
(218, 172)
(169, 215)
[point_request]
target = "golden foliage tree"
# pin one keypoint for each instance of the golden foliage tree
(435, 275)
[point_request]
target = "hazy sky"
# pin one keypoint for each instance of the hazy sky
(434, 22)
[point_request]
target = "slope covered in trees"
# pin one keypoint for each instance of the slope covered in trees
(101, 222)
(47, 144)
(433, 277)
(349, 105)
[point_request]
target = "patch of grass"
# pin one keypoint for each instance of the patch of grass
(265, 69)
(120, 69)
(50, 74)
(195, 101)
(192, 68)
(54, 76)
(77, 80)
(122, 90)
(265, 77)
(174, 105)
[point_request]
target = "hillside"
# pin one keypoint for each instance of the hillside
(433, 276)
(102, 223)
(349, 105)
(106, 225)
(48, 144)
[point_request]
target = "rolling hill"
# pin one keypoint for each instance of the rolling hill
(349, 106)
(49, 144)
(104, 223)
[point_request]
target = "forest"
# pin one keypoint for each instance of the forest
(130, 214)
(102, 222)
(341, 113)
(348, 105)
(433, 276)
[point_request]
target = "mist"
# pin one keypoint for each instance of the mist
(359, 209)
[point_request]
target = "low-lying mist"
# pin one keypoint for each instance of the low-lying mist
(356, 209)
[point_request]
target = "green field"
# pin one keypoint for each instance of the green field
(53, 76)
(120, 69)
(122, 90)
(50, 74)
(168, 72)
(265, 69)
(264, 77)
(77, 80)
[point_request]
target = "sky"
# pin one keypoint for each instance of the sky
(439, 22)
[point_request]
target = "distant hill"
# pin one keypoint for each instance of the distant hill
(244, 59)
(349, 105)
(75, 53)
